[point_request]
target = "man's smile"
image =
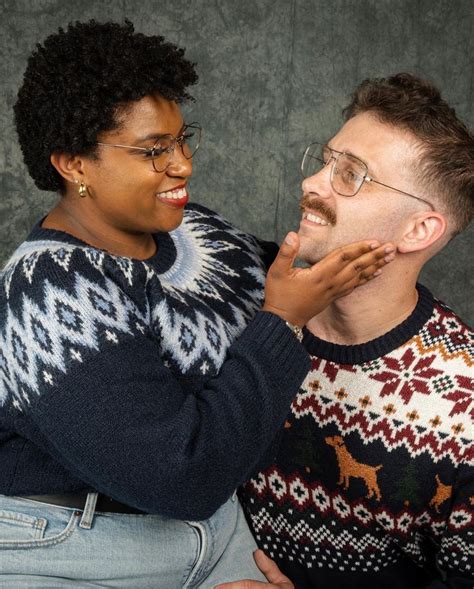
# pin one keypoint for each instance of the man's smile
(313, 218)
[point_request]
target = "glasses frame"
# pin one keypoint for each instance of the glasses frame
(365, 178)
(180, 140)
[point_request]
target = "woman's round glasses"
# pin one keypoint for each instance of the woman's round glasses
(162, 150)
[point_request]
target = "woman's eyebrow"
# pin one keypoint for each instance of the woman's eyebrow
(158, 135)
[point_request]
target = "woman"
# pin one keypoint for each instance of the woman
(143, 375)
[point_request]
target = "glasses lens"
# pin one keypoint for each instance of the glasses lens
(162, 151)
(314, 159)
(347, 175)
(190, 140)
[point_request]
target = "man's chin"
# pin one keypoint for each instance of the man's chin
(308, 259)
(311, 253)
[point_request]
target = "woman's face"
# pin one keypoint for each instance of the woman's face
(125, 193)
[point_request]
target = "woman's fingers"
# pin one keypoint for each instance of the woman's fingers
(360, 270)
(355, 258)
(285, 258)
(296, 294)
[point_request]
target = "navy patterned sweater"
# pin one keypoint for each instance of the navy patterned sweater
(157, 382)
(373, 486)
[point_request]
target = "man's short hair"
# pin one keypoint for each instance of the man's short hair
(446, 164)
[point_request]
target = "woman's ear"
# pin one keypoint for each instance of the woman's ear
(68, 166)
(422, 231)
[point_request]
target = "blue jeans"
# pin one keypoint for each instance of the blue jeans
(45, 546)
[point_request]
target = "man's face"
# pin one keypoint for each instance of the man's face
(374, 212)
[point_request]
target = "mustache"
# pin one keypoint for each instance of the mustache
(318, 206)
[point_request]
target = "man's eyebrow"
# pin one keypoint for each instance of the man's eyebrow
(347, 151)
(370, 167)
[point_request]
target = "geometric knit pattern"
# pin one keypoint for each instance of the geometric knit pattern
(77, 300)
(376, 461)
(158, 382)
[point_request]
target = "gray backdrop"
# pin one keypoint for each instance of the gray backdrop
(274, 74)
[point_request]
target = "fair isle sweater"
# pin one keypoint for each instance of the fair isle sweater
(373, 485)
(156, 382)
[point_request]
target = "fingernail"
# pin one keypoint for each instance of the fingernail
(389, 258)
(377, 273)
(375, 245)
(389, 249)
(290, 240)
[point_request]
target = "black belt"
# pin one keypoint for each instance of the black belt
(78, 501)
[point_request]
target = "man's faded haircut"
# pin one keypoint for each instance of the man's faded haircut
(446, 164)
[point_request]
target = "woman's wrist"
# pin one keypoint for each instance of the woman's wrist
(287, 317)
(296, 329)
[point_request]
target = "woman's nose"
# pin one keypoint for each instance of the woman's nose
(179, 165)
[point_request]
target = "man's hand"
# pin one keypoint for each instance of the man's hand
(276, 579)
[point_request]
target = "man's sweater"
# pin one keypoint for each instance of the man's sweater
(373, 486)
(157, 382)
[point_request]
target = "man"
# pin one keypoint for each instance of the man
(373, 486)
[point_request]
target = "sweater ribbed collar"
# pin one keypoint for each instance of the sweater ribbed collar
(393, 339)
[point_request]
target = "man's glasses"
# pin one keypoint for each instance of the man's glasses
(348, 173)
(162, 150)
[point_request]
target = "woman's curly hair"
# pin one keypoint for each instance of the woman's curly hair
(77, 79)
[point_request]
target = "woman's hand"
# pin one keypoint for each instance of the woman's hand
(276, 579)
(298, 294)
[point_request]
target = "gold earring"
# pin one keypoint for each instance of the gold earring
(82, 190)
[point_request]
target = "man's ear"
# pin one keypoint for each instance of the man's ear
(422, 231)
(68, 166)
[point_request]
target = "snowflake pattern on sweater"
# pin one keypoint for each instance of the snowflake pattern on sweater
(376, 461)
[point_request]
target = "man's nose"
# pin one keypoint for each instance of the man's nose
(319, 183)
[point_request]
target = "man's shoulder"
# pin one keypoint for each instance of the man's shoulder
(450, 315)
(447, 334)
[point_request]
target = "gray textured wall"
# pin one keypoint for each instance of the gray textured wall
(274, 74)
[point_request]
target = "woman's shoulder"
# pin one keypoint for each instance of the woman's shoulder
(222, 233)
(54, 259)
(195, 213)
(59, 286)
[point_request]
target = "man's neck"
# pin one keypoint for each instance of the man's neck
(367, 313)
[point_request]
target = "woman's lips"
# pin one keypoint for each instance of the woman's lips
(178, 197)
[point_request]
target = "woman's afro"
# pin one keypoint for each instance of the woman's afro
(77, 79)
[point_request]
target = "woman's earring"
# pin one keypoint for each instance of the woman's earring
(82, 190)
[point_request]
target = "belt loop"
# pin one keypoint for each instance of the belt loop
(89, 510)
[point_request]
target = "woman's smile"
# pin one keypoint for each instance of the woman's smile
(177, 197)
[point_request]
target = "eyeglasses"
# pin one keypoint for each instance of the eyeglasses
(163, 148)
(348, 173)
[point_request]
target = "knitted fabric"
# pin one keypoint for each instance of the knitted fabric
(373, 485)
(157, 382)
